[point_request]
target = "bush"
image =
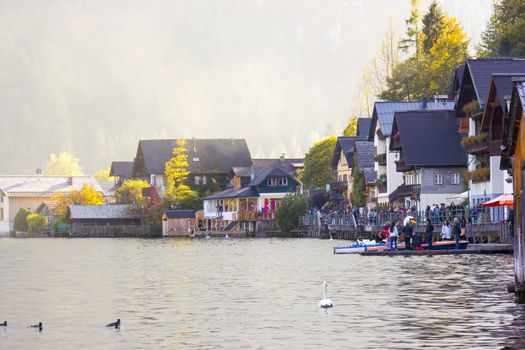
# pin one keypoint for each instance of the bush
(291, 208)
(21, 220)
(35, 222)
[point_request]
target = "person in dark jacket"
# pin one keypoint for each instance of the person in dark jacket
(429, 232)
(408, 230)
(456, 231)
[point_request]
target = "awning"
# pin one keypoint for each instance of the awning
(501, 201)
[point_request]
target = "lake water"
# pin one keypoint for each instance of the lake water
(249, 294)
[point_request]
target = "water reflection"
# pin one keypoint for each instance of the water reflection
(253, 294)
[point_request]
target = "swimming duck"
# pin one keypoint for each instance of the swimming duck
(114, 324)
(39, 326)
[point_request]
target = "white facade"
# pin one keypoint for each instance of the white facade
(381, 148)
(393, 178)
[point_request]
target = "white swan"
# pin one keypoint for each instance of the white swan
(325, 303)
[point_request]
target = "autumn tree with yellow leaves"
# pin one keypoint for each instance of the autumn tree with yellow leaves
(86, 195)
(178, 194)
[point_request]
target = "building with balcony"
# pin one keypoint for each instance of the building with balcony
(253, 195)
(381, 132)
(431, 159)
(343, 157)
(481, 108)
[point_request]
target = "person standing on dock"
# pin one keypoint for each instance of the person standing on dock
(445, 231)
(408, 231)
(456, 231)
(429, 232)
(393, 235)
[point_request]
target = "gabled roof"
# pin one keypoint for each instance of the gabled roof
(384, 113)
(40, 185)
(429, 138)
(263, 173)
(363, 126)
(107, 211)
(346, 145)
(365, 152)
(479, 72)
(205, 156)
(501, 85)
(243, 192)
(513, 122)
(122, 169)
(180, 214)
(458, 78)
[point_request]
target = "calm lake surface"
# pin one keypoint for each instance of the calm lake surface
(249, 294)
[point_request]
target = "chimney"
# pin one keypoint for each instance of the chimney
(39, 171)
(70, 180)
(282, 157)
(440, 101)
(424, 103)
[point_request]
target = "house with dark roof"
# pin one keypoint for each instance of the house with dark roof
(431, 158)
(342, 163)
(513, 159)
(121, 171)
(28, 192)
(380, 132)
(254, 195)
(209, 161)
(481, 107)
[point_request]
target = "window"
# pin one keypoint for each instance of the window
(196, 159)
(204, 180)
(455, 179)
(197, 180)
(272, 182)
(283, 181)
(438, 179)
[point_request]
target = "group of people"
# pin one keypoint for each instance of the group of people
(394, 232)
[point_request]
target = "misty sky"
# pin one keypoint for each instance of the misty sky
(93, 77)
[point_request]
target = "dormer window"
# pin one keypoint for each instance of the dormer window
(272, 182)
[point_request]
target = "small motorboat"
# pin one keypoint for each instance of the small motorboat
(360, 246)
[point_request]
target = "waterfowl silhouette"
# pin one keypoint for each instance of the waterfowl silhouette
(3, 324)
(39, 326)
(114, 324)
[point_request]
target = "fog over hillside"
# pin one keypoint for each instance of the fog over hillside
(94, 77)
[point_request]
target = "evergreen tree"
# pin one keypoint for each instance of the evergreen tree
(413, 35)
(432, 26)
(358, 186)
(505, 31)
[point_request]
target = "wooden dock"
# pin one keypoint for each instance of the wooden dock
(472, 249)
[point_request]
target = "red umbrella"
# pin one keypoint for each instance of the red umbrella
(505, 200)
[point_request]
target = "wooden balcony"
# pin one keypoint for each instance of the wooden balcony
(253, 216)
(476, 144)
(395, 144)
(338, 186)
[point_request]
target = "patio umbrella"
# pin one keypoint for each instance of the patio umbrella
(500, 201)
